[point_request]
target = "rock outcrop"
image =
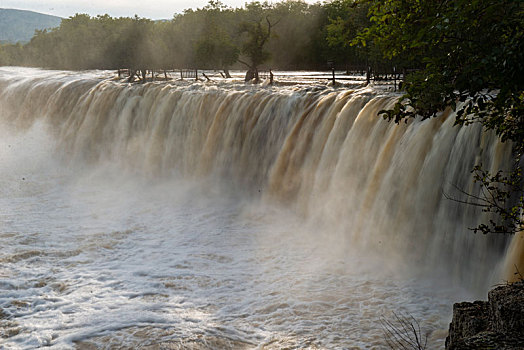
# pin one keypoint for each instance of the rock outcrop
(494, 324)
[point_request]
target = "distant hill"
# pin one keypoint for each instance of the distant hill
(20, 25)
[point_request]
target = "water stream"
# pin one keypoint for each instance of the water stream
(225, 215)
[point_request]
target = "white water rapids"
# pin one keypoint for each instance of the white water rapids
(224, 215)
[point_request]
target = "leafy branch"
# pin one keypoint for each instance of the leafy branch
(500, 194)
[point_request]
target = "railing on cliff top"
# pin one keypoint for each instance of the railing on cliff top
(359, 74)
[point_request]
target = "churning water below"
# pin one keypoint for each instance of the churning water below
(101, 251)
(119, 262)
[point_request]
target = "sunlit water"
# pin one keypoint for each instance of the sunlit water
(106, 253)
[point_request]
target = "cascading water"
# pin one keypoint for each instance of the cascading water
(224, 215)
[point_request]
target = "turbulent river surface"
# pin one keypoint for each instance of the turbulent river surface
(224, 215)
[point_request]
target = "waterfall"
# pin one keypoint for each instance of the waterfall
(323, 153)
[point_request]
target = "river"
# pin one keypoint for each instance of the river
(225, 215)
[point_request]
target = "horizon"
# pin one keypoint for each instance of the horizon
(160, 9)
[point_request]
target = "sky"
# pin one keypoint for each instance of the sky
(154, 9)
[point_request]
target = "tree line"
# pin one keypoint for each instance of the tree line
(285, 35)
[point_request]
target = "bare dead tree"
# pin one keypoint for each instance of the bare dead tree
(403, 332)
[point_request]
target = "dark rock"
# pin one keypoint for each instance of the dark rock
(506, 310)
(468, 320)
(494, 324)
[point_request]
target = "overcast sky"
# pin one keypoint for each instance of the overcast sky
(155, 9)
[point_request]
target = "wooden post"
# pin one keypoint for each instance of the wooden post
(333, 72)
(165, 74)
(196, 74)
(181, 76)
(395, 77)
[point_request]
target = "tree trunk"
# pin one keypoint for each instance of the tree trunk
(132, 74)
(251, 74)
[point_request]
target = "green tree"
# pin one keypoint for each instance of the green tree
(11, 54)
(257, 31)
(293, 40)
(470, 53)
(346, 18)
(215, 47)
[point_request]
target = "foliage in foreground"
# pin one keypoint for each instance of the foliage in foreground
(471, 53)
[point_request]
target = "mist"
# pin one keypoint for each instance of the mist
(135, 215)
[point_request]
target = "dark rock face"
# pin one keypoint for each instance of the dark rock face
(494, 324)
